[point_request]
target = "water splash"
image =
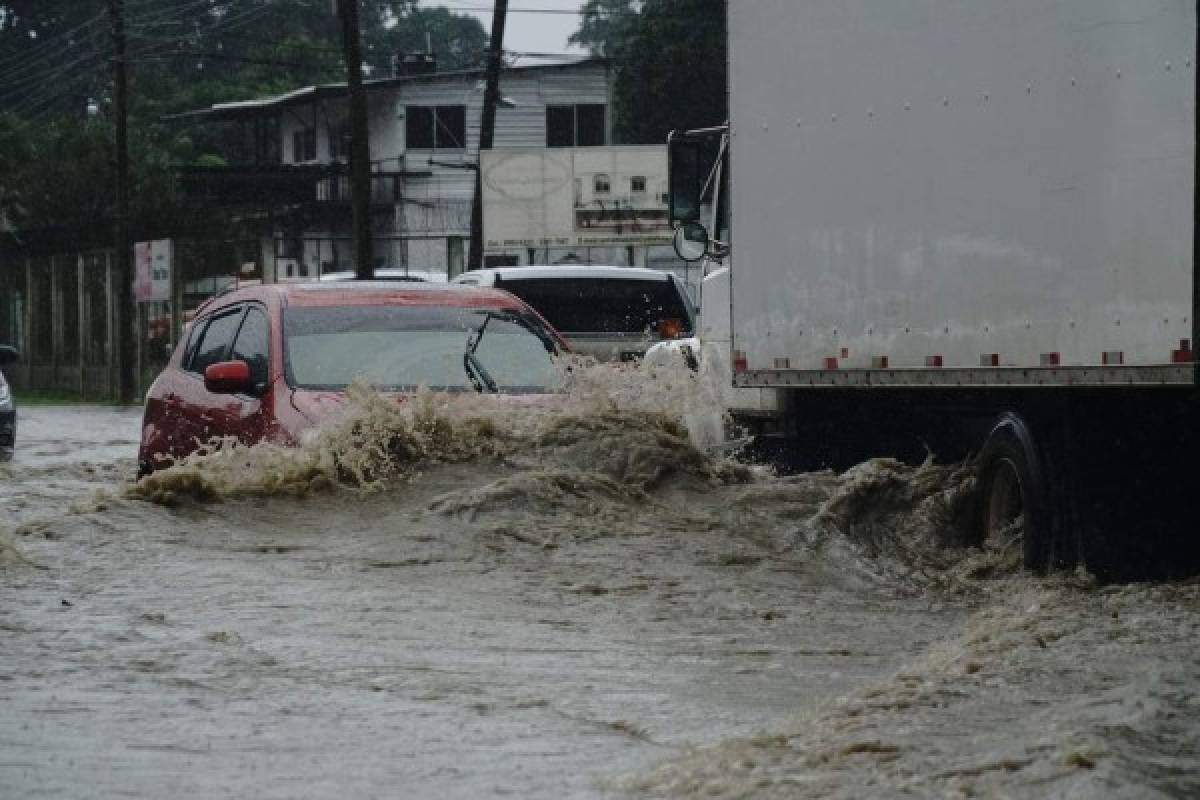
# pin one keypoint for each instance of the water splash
(10, 554)
(637, 426)
(917, 519)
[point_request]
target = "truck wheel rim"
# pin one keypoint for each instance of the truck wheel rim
(1005, 510)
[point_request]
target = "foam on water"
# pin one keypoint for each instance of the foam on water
(10, 554)
(636, 425)
(522, 593)
(619, 434)
(914, 519)
(1011, 704)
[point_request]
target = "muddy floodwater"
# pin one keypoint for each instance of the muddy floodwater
(466, 598)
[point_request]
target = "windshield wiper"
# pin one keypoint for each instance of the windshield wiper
(475, 370)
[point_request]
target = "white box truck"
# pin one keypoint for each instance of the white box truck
(969, 225)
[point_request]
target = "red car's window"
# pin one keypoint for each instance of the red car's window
(214, 342)
(252, 345)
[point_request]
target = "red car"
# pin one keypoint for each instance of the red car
(266, 362)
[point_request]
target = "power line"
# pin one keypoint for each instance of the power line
(218, 57)
(30, 79)
(31, 64)
(40, 83)
(557, 11)
(34, 90)
(287, 44)
(48, 43)
(40, 91)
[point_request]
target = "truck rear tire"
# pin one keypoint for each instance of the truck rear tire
(1013, 489)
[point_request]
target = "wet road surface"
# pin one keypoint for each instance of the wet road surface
(570, 604)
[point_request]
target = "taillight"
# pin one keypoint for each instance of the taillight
(670, 328)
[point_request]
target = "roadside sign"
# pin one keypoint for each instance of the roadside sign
(575, 197)
(152, 275)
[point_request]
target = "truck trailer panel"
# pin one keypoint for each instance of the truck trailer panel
(975, 193)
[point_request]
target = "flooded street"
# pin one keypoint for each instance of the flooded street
(561, 309)
(575, 602)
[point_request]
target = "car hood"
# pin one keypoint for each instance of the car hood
(317, 406)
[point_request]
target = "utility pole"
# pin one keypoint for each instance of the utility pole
(360, 152)
(487, 128)
(126, 306)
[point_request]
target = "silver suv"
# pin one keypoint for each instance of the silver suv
(609, 313)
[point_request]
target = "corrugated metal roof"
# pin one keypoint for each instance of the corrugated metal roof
(242, 109)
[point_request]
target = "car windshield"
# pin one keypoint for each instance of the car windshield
(602, 305)
(401, 348)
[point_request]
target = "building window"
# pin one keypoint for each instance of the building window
(450, 128)
(589, 125)
(418, 128)
(289, 247)
(560, 126)
(637, 184)
(304, 145)
(339, 140)
(435, 127)
(575, 126)
(601, 184)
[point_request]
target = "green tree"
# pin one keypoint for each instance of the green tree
(669, 63)
(58, 159)
(55, 88)
(459, 41)
(604, 26)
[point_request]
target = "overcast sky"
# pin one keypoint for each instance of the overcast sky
(525, 31)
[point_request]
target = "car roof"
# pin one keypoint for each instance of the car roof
(569, 271)
(372, 293)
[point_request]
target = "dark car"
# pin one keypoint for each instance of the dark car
(8, 410)
(264, 363)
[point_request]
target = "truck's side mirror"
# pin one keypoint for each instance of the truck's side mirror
(685, 166)
(691, 241)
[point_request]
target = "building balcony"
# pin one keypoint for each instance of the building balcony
(386, 189)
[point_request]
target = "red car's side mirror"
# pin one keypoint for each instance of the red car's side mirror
(228, 377)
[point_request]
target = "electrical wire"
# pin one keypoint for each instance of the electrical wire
(553, 11)
(217, 57)
(50, 42)
(42, 91)
(38, 79)
(31, 65)
(34, 96)
(41, 87)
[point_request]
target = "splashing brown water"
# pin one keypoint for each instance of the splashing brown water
(462, 596)
(1040, 693)
(637, 438)
(10, 554)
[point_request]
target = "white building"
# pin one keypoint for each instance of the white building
(424, 146)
